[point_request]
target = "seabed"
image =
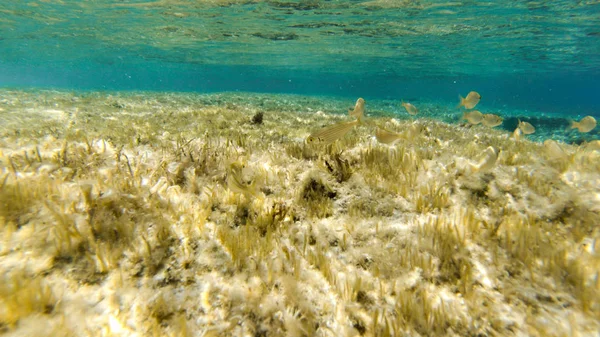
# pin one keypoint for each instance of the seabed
(118, 218)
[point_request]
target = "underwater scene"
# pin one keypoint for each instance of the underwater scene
(299, 168)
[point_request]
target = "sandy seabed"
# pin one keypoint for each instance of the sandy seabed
(118, 217)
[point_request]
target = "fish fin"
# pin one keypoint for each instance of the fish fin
(517, 134)
(462, 101)
(573, 124)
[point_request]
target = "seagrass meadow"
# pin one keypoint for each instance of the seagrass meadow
(182, 214)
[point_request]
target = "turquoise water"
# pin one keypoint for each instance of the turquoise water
(534, 57)
(128, 209)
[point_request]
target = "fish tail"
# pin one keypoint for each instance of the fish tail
(573, 125)
(462, 101)
(464, 116)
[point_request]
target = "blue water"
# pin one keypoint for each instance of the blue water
(541, 56)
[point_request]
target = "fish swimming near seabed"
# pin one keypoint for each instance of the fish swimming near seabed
(235, 182)
(517, 134)
(411, 109)
(330, 134)
(586, 124)
(473, 117)
(487, 161)
(387, 137)
(470, 101)
(526, 127)
(359, 109)
(491, 120)
(554, 150)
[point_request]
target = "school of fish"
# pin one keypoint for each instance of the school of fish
(331, 133)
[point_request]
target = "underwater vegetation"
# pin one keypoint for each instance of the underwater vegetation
(198, 215)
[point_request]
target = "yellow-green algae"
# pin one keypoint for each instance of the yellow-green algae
(116, 219)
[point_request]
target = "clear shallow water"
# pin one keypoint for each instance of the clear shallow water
(541, 56)
(124, 199)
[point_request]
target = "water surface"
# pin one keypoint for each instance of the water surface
(540, 56)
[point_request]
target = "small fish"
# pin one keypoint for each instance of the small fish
(387, 137)
(359, 109)
(517, 134)
(473, 117)
(470, 101)
(554, 149)
(586, 124)
(527, 128)
(330, 134)
(235, 182)
(488, 160)
(491, 120)
(411, 109)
